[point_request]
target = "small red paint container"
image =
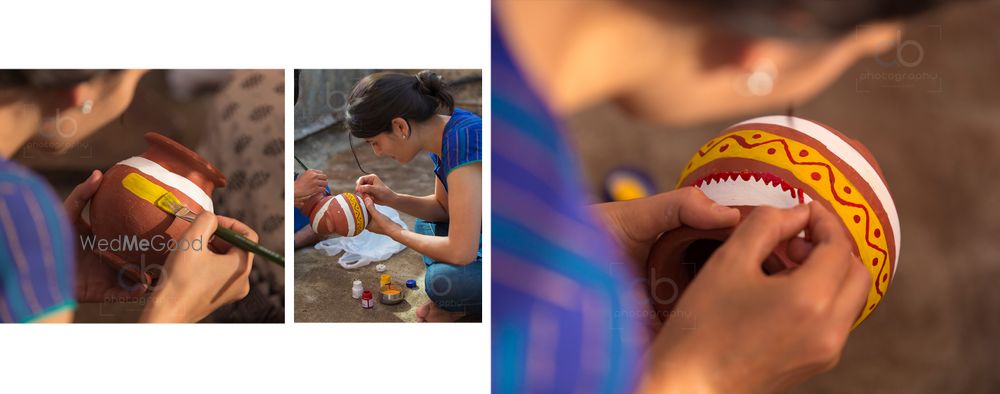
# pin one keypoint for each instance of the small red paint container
(366, 300)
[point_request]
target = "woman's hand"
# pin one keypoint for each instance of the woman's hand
(196, 282)
(371, 186)
(309, 184)
(96, 281)
(636, 224)
(379, 223)
(738, 330)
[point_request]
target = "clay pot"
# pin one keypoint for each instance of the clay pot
(116, 213)
(782, 161)
(344, 214)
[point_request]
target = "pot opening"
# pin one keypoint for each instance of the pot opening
(697, 253)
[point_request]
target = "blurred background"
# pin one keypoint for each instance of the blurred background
(929, 110)
(235, 119)
(323, 287)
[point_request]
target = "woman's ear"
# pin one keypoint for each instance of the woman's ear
(80, 97)
(401, 128)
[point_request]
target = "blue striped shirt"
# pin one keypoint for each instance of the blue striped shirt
(461, 144)
(565, 313)
(37, 259)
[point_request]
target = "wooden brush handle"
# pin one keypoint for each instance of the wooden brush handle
(239, 241)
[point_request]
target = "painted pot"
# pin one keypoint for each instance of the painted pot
(344, 214)
(782, 161)
(144, 233)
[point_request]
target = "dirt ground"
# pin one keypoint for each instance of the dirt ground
(935, 130)
(323, 287)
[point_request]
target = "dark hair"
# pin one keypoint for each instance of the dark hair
(296, 87)
(46, 79)
(379, 98)
(798, 18)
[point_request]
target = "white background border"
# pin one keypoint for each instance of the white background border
(313, 357)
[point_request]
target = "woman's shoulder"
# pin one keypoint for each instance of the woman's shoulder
(38, 240)
(462, 119)
(31, 202)
(16, 179)
(464, 139)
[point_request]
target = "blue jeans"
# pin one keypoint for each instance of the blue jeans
(451, 287)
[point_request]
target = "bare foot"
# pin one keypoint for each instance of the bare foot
(422, 311)
(431, 313)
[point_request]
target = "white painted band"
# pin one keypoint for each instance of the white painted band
(348, 213)
(364, 211)
(182, 184)
(848, 154)
(319, 216)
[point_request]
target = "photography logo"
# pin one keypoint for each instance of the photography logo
(902, 64)
(56, 139)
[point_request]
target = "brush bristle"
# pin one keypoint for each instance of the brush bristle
(169, 203)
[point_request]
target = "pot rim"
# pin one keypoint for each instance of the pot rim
(199, 163)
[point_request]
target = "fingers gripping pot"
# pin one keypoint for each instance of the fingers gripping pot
(782, 161)
(141, 235)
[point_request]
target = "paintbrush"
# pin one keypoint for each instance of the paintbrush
(300, 162)
(169, 203)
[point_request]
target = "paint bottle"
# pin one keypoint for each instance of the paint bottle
(384, 280)
(357, 289)
(366, 300)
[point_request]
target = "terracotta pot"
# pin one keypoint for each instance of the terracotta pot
(782, 161)
(344, 214)
(116, 213)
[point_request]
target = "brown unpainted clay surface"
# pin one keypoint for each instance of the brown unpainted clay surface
(938, 144)
(323, 287)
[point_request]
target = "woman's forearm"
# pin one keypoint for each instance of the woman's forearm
(424, 207)
(443, 249)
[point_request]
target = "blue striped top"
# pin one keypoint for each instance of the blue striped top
(566, 317)
(461, 144)
(37, 260)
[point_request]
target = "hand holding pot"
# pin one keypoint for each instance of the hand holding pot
(309, 184)
(370, 185)
(377, 222)
(96, 281)
(737, 329)
(198, 280)
(636, 224)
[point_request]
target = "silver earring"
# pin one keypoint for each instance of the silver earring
(87, 107)
(760, 82)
